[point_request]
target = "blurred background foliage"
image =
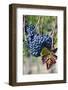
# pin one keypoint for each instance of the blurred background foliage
(44, 25)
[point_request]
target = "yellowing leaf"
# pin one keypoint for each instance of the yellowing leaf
(45, 52)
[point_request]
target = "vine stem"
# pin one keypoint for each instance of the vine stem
(37, 25)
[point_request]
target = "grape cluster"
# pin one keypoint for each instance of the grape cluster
(36, 41)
